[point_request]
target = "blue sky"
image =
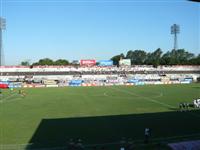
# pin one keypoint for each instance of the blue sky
(98, 29)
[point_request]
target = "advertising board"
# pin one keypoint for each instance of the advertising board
(125, 62)
(75, 82)
(105, 63)
(3, 86)
(88, 62)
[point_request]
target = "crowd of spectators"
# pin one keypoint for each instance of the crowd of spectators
(94, 69)
(99, 75)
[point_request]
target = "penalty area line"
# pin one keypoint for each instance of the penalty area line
(3, 100)
(146, 98)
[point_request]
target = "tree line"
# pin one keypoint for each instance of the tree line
(138, 57)
(173, 57)
(46, 61)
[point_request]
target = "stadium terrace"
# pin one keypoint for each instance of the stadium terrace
(56, 76)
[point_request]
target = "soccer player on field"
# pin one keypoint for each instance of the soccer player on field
(180, 106)
(1, 93)
(22, 93)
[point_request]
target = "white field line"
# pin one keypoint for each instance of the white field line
(16, 99)
(158, 96)
(4, 98)
(8, 96)
(147, 98)
(105, 94)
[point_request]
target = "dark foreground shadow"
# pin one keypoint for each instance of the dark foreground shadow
(105, 129)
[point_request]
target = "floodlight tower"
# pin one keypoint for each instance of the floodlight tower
(175, 29)
(2, 27)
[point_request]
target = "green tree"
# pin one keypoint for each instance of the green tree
(165, 60)
(35, 64)
(116, 58)
(61, 62)
(45, 61)
(25, 63)
(137, 57)
(182, 57)
(177, 57)
(154, 58)
(195, 60)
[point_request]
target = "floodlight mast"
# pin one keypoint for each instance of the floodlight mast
(175, 29)
(2, 27)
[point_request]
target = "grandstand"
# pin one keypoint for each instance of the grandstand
(99, 75)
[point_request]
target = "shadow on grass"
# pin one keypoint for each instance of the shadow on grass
(106, 129)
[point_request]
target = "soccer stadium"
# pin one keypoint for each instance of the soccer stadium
(47, 106)
(143, 100)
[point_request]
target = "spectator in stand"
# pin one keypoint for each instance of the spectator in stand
(79, 145)
(122, 148)
(146, 135)
(94, 148)
(103, 148)
(123, 143)
(71, 144)
(130, 144)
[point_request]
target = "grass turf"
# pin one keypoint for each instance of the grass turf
(47, 117)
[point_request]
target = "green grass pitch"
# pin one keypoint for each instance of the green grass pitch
(47, 117)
